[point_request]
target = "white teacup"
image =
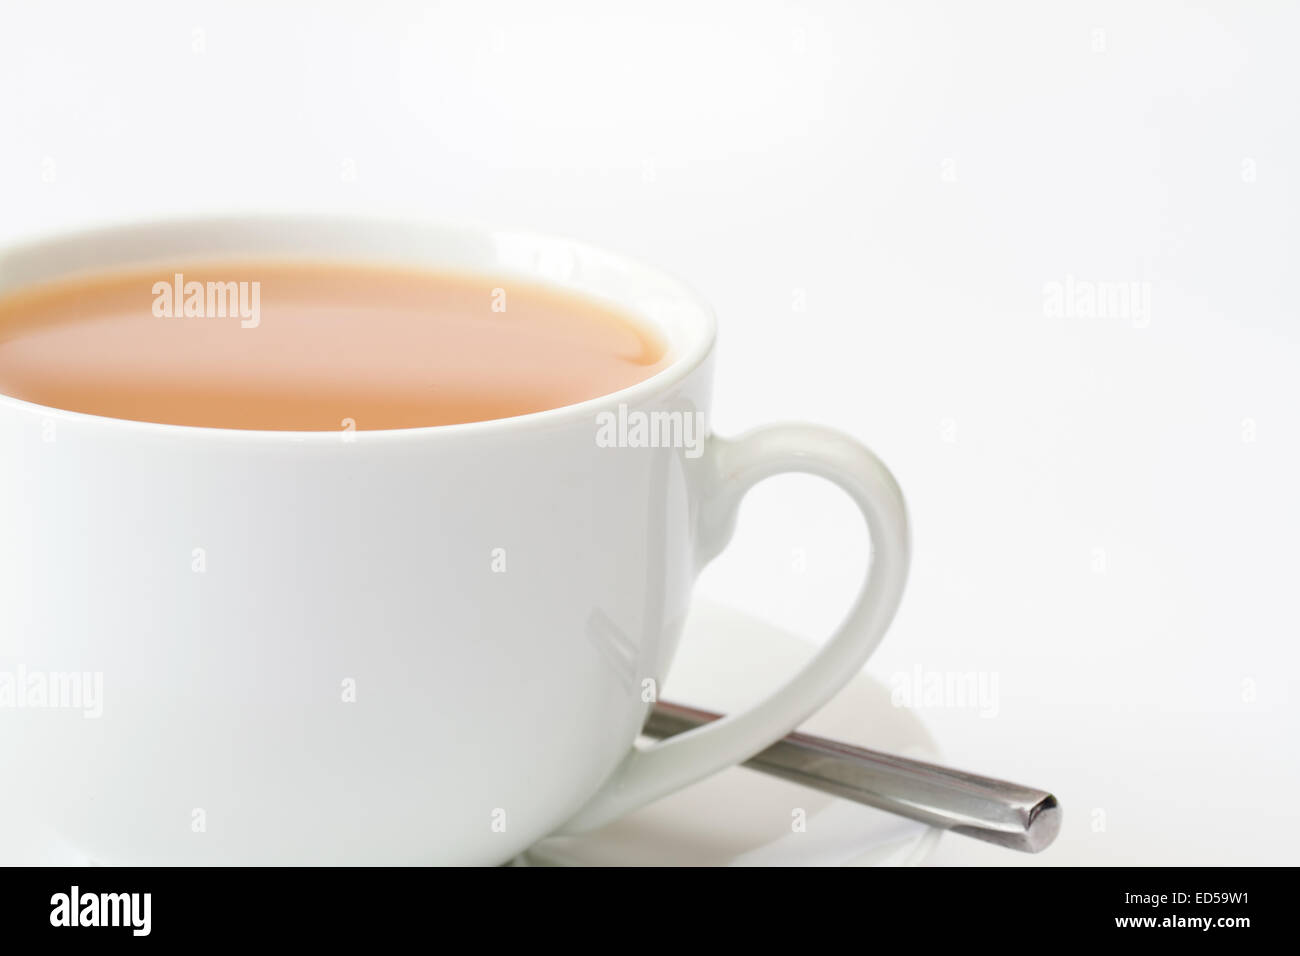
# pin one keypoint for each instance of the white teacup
(428, 645)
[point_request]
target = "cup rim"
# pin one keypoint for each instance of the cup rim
(688, 358)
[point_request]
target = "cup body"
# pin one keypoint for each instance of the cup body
(413, 646)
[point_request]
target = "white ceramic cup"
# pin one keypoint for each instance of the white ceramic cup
(427, 645)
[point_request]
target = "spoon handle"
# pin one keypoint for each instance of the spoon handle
(995, 811)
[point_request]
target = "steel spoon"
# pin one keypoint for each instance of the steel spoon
(995, 811)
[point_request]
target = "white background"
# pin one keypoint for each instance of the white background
(875, 197)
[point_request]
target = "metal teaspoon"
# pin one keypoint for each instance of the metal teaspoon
(995, 811)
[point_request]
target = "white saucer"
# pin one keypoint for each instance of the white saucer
(740, 817)
(736, 818)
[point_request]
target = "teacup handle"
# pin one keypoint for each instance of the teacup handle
(651, 772)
